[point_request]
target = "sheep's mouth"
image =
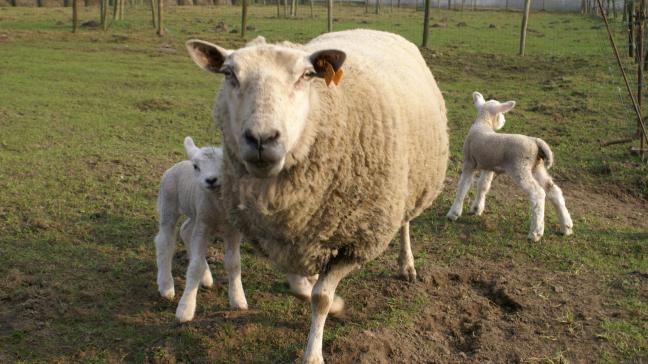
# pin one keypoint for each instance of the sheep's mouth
(264, 169)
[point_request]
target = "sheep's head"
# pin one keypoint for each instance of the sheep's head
(492, 110)
(267, 94)
(207, 163)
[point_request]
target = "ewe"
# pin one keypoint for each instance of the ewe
(521, 157)
(192, 188)
(322, 178)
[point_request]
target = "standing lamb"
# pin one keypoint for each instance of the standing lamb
(320, 177)
(521, 157)
(192, 188)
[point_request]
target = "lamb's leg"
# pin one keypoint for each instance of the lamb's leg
(302, 287)
(185, 234)
(235, 291)
(537, 200)
(164, 250)
(322, 299)
(195, 272)
(405, 258)
(464, 185)
(483, 186)
(555, 196)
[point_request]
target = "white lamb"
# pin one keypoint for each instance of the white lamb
(192, 188)
(521, 157)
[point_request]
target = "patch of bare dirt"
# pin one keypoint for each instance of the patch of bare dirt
(485, 312)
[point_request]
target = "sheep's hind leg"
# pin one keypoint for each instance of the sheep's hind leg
(196, 270)
(323, 298)
(164, 249)
(405, 257)
(235, 291)
(302, 288)
(483, 186)
(555, 196)
(464, 185)
(537, 200)
(207, 280)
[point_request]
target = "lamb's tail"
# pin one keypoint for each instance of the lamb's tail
(545, 153)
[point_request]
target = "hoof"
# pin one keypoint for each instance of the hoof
(534, 237)
(408, 274)
(566, 230)
(184, 314)
(240, 306)
(452, 216)
(167, 293)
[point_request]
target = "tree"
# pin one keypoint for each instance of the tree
(154, 13)
(311, 8)
(160, 13)
(377, 6)
(426, 24)
(244, 10)
(104, 14)
(75, 15)
(525, 23)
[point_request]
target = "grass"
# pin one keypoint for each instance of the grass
(90, 121)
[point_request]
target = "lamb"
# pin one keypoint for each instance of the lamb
(319, 176)
(192, 188)
(526, 159)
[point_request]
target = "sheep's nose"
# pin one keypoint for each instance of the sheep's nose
(259, 140)
(211, 181)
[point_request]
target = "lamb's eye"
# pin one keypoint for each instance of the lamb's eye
(309, 74)
(230, 76)
(196, 168)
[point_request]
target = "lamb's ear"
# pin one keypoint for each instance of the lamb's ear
(190, 147)
(478, 99)
(505, 106)
(260, 40)
(209, 57)
(333, 57)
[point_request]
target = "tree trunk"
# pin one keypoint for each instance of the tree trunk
(426, 24)
(329, 10)
(75, 15)
(279, 8)
(449, 4)
(630, 19)
(244, 9)
(154, 14)
(525, 23)
(311, 8)
(104, 14)
(377, 6)
(507, 4)
(115, 10)
(160, 13)
(366, 6)
(614, 8)
(398, 4)
(462, 4)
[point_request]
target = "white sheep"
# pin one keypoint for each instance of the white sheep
(320, 172)
(192, 188)
(526, 159)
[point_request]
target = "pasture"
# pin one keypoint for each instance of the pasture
(89, 121)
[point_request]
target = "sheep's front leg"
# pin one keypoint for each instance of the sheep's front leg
(302, 287)
(195, 272)
(185, 234)
(235, 291)
(405, 258)
(464, 185)
(322, 299)
(164, 249)
(483, 186)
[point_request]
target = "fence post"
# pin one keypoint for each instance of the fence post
(525, 23)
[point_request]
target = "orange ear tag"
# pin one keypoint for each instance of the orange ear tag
(338, 76)
(329, 74)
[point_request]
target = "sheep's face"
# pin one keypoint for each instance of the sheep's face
(267, 93)
(492, 110)
(207, 162)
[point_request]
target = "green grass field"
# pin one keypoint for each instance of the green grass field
(89, 121)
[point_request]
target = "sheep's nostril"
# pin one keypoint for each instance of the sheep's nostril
(211, 181)
(251, 139)
(272, 137)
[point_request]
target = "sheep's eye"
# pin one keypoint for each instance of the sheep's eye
(230, 76)
(196, 168)
(309, 74)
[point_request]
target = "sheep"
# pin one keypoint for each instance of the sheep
(526, 159)
(192, 188)
(321, 174)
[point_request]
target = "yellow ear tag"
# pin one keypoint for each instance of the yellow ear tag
(338, 76)
(329, 74)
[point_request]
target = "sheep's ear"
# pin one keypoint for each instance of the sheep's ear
(478, 99)
(190, 147)
(260, 40)
(333, 57)
(209, 57)
(505, 107)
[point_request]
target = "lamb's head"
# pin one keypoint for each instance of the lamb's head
(207, 162)
(491, 111)
(267, 96)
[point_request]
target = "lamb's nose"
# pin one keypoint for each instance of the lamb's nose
(258, 140)
(211, 181)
